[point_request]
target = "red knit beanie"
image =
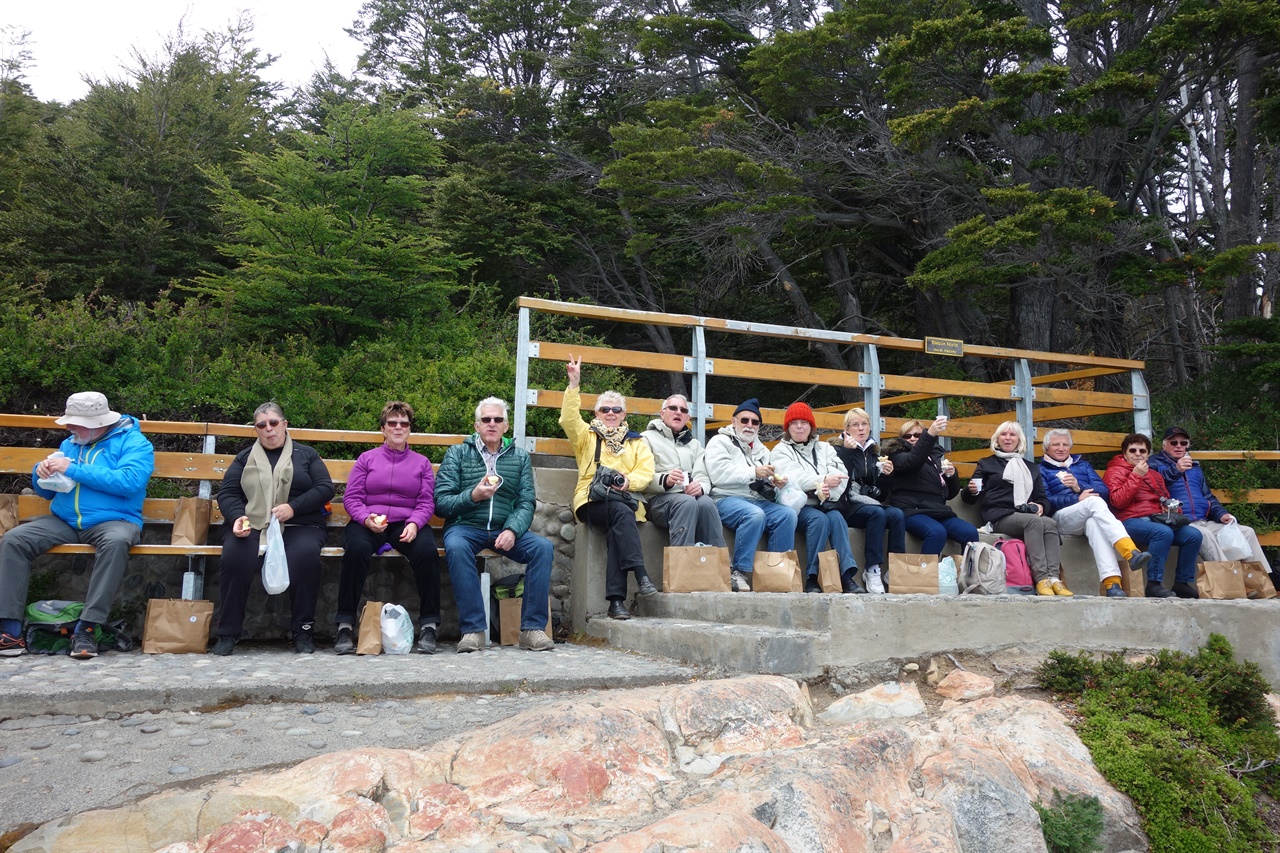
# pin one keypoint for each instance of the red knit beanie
(799, 412)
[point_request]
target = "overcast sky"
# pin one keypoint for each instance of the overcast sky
(72, 39)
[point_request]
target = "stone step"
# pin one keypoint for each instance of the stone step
(739, 648)
(795, 610)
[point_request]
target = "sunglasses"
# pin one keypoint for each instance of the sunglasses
(493, 419)
(913, 435)
(749, 421)
(617, 410)
(1183, 443)
(395, 424)
(681, 409)
(273, 422)
(1141, 450)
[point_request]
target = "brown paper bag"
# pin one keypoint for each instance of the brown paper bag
(505, 628)
(1221, 580)
(1257, 583)
(829, 572)
(191, 521)
(695, 569)
(776, 571)
(1133, 583)
(8, 512)
(369, 641)
(913, 573)
(175, 626)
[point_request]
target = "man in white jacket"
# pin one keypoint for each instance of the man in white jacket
(679, 496)
(742, 480)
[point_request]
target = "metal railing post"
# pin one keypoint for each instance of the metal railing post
(699, 371)
(872, 384)
(944, 408)
(520, 403)
(1024, 395)
(1141, 404)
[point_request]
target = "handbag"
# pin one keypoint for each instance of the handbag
(1172, 518)
(776, 571)
(176, 626)
(601, 488)
(914, 573)
(695, 568)
(1221, 580)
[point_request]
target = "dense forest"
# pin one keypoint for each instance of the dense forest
(1098, 177)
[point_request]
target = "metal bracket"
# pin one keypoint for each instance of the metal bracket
(1014, 395)
(531, 397)
(534, 347)
(711, 365)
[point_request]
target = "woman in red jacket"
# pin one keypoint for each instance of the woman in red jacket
(1136, 491)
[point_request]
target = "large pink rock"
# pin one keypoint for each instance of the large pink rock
(701, 829)
(962, 684)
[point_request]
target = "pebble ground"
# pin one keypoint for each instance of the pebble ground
(78, 735)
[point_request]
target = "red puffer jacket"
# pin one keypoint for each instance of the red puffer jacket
(1134, 497)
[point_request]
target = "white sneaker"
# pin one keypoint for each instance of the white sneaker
(739, 582)
(871, 578)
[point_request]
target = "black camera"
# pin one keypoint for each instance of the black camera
(764, 488)
(874, 492)
(1034, 509)
(612, 479)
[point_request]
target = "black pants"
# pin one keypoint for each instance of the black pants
(622, 538)
(360, 543)
(240, 565)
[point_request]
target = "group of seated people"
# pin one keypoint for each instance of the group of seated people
(484, 490)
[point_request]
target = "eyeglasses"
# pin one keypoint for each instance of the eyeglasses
(395, 424)
(617, 410)
(913, 435)
(273, 422)
(493, 419)
(1183, 443)
(681, 409)
(1141, 450)
(749, 421)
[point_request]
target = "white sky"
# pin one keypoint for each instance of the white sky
(72, 39)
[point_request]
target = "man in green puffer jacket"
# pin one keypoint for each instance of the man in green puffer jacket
(484, 490)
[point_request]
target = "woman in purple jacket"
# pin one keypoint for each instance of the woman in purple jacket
(390, 498)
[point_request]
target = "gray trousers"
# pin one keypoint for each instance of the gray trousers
(688, 519)
(1040, 534)
(19, 548)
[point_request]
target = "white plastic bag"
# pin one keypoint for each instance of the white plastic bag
(1233, 543)
(275, 568)
(792, 496)
(947, 583)
(397, 630)
(57, 481)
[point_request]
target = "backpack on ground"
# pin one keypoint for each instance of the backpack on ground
(51, 623)
(982, 570)
(1017, 568)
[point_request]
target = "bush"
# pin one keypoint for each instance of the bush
(1072, 824)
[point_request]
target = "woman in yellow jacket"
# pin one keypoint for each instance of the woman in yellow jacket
(614, 466)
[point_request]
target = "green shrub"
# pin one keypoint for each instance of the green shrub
(1072, 824)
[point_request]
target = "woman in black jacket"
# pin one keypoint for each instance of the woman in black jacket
(922, 482)
(1011, 495)
(272, 478)
(861, 504)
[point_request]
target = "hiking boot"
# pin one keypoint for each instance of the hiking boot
(1138, 562)
(11, 647)
(875, 585)
(849, 583)
(618, 610)
(1186, 590)
(345, 643)
(1155, 589)
(426, 641)
(1044, 587)
(739, 582)
(811, 584)
(536, 641)
(473, 642)
(83, 645)
(304, 642)
(646, 588)
(223, 647)
(1060, 588)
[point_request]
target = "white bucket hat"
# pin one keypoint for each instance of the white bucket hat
(88, 409)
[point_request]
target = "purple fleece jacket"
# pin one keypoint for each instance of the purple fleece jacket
(398, 484)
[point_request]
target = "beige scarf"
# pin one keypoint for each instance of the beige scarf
(1018, 473)
(613, 438)
(264, 488)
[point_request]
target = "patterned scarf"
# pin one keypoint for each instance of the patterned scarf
(612, 438)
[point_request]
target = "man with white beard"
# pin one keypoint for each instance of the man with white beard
(743, 483)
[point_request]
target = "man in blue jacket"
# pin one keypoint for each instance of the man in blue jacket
(484, 490)
(96, 483)
(1186, 483)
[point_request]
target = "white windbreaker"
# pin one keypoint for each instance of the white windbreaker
(670, 454)
(730, 466)
(804, 464)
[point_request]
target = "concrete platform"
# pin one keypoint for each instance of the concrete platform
(804, 634)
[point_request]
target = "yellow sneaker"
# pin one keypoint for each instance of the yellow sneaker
(1044, 587)
(1060, 588)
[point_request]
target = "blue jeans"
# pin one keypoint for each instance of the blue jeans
(821, 528)
(462, 544)
(936, 533)
(749, 519)
(1158, 538)
(875, 519)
